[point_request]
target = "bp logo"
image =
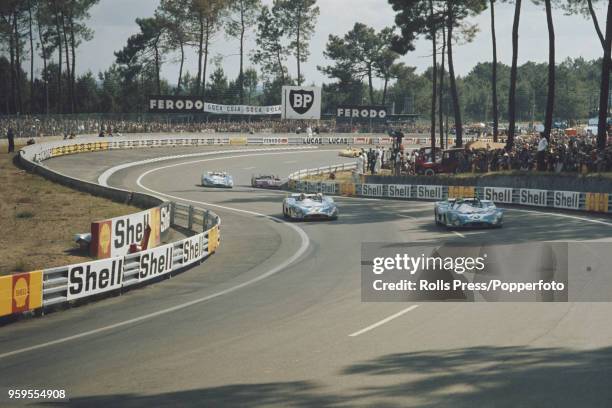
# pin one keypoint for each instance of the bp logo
(301, 101)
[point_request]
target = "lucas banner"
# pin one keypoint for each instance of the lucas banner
(186, 104)
(301, 102)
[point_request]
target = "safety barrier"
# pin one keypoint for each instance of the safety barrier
(39, 152)
(322, 170)
(37, 290)
(72, 282)
(558, 199)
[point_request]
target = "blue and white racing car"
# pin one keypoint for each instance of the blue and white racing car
(217, 179)
(306, 207)
(468, 212)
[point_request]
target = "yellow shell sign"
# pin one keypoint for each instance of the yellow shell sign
(238, 141)
(20, 292)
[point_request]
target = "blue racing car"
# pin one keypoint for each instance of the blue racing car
(217, 179)
(468, 212)
(306, 207)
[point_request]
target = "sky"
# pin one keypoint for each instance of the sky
(113, 22)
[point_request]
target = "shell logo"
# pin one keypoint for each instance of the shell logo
(105, 237)
(20, 292)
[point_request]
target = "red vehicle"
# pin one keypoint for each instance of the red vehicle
(447, 161)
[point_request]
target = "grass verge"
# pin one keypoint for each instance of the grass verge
(40, 217)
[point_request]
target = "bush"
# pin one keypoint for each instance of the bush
(25, 214)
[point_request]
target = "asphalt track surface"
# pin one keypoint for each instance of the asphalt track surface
(244, 329)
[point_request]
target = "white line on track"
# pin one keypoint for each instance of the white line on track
(303, 247)
(249, 168)
(383, 321)
(574, 217)
(460, 235)
(103, 180)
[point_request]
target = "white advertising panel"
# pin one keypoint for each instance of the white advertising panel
(339, 140)
(398, 191)
(429, 192)
(155, 262)
(372, 190)
(128, 230)
(301, 102)
(275, 140)
(498, 194)
(312, 140)
(328, 188)
(567, 199)
(194, 249)
(532, 197)
(95, 277)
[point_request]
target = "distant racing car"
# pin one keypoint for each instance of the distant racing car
(350, 152)
(266, 181)
(468, 212)
(217, 179)
(307, 207)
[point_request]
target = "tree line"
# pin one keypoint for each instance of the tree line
(446, 22)
(52, 31)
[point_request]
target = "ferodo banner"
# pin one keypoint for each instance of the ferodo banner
(111, 238)
(186, 104)
(275, 140)
(95, 277)
(301, 102)
(20, 292)
(353, 113)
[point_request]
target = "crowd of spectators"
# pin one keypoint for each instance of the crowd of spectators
(42, 126)
(561, 153)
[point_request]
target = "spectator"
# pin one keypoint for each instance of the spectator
(541, 155)
(10, 135)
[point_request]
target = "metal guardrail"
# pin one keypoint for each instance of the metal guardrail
(298, 175)
(556, 199)
(57, 285)
(56, 281)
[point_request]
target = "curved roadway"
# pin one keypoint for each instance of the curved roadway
(246, 329)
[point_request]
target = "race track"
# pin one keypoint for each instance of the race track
(253, 327)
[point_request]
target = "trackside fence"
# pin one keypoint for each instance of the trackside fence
(566, 200)
(68, 283)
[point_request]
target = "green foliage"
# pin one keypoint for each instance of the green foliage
(298, 19)
(271, 52)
